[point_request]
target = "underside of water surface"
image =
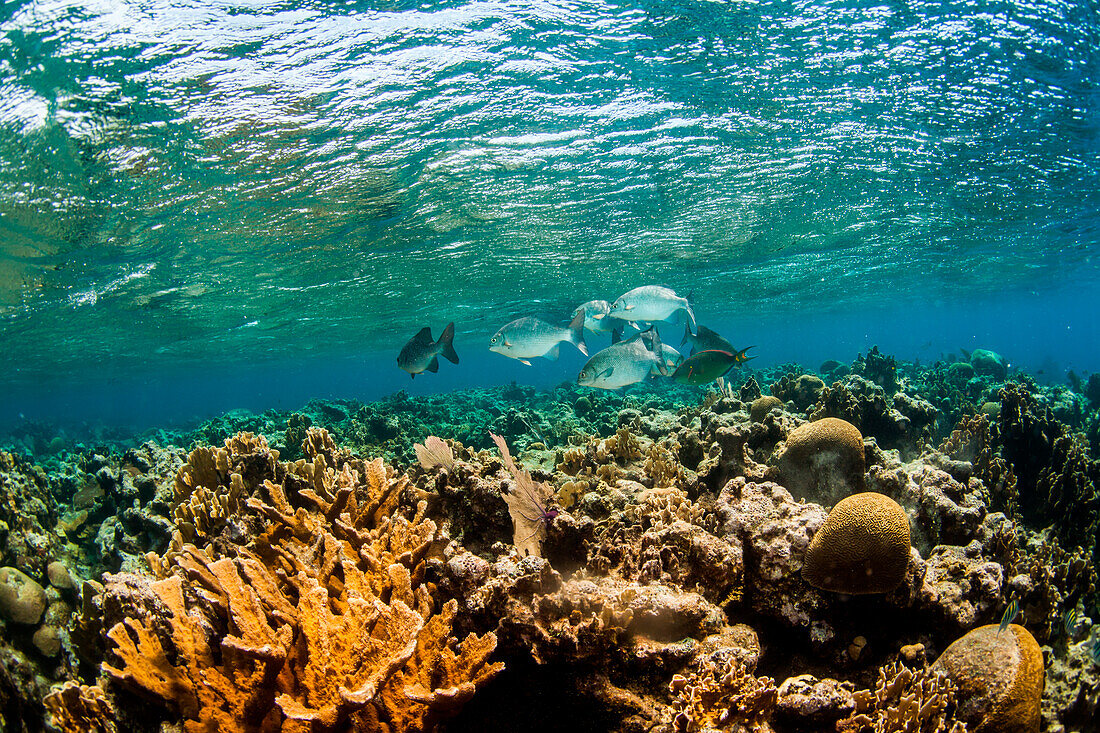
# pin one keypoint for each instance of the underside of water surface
(226, 504)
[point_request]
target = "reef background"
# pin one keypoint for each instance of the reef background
(670, 595)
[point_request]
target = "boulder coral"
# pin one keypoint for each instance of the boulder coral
(863, 547)
(999, 675)
(22, 599)
(823, 461)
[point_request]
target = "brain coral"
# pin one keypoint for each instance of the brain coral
(823, 461)
(999, 675)
(863, 547)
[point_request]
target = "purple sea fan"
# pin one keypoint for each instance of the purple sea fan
(527, 504)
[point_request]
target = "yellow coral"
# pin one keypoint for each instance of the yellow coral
(863, 547)
(210, 486)
(78, 708)
(325, 624)
(905, 701)
(722, 695)
(571, 492)
(662, 467)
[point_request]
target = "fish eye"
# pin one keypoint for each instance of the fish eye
(494, 340)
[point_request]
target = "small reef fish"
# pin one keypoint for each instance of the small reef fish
(650, 303)
(704, 367)
(1069, 622)
(625, 363)
(595, 316)
(1010, 615)
(527, 338)
(421, 353)
(706, 340)
(1095, 652)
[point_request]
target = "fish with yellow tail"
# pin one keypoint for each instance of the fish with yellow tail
(703, 367)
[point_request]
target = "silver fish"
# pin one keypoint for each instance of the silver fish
(650, 304)
(595, 316)
(672, 358)
(421, 353)
(527, 338)
(625, 363)
(706, 340)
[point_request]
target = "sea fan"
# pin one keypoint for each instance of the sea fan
(527, 504)
(434, 452)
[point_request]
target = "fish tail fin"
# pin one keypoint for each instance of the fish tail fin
(690, 323)
(446, 340)
(576, 332)
(655, 347)
(616, 334)
(741, 358)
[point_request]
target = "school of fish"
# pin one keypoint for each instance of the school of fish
(623, 363)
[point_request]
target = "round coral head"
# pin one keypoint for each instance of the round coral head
(863, 547)
(999, 675)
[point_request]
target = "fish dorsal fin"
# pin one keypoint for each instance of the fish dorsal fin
(424, 334)
(433, 365)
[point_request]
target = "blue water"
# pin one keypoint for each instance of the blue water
(206, 206)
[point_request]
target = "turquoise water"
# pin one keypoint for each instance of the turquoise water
(214, 205)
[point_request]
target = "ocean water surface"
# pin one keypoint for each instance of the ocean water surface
(212, 205)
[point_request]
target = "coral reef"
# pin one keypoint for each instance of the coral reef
(647, 561)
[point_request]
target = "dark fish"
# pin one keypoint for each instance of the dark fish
(1010, 615)
(1095, 652)
(706, 340)
(706, 366)
(422, 352)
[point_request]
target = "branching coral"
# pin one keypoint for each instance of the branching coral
(724, 695)
(325, 625)
(905, 701)
(972, 440)
(75, 708)
(213, 484)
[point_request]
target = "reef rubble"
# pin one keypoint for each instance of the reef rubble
(870, 547)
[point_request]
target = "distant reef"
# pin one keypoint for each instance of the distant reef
(874, 546)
